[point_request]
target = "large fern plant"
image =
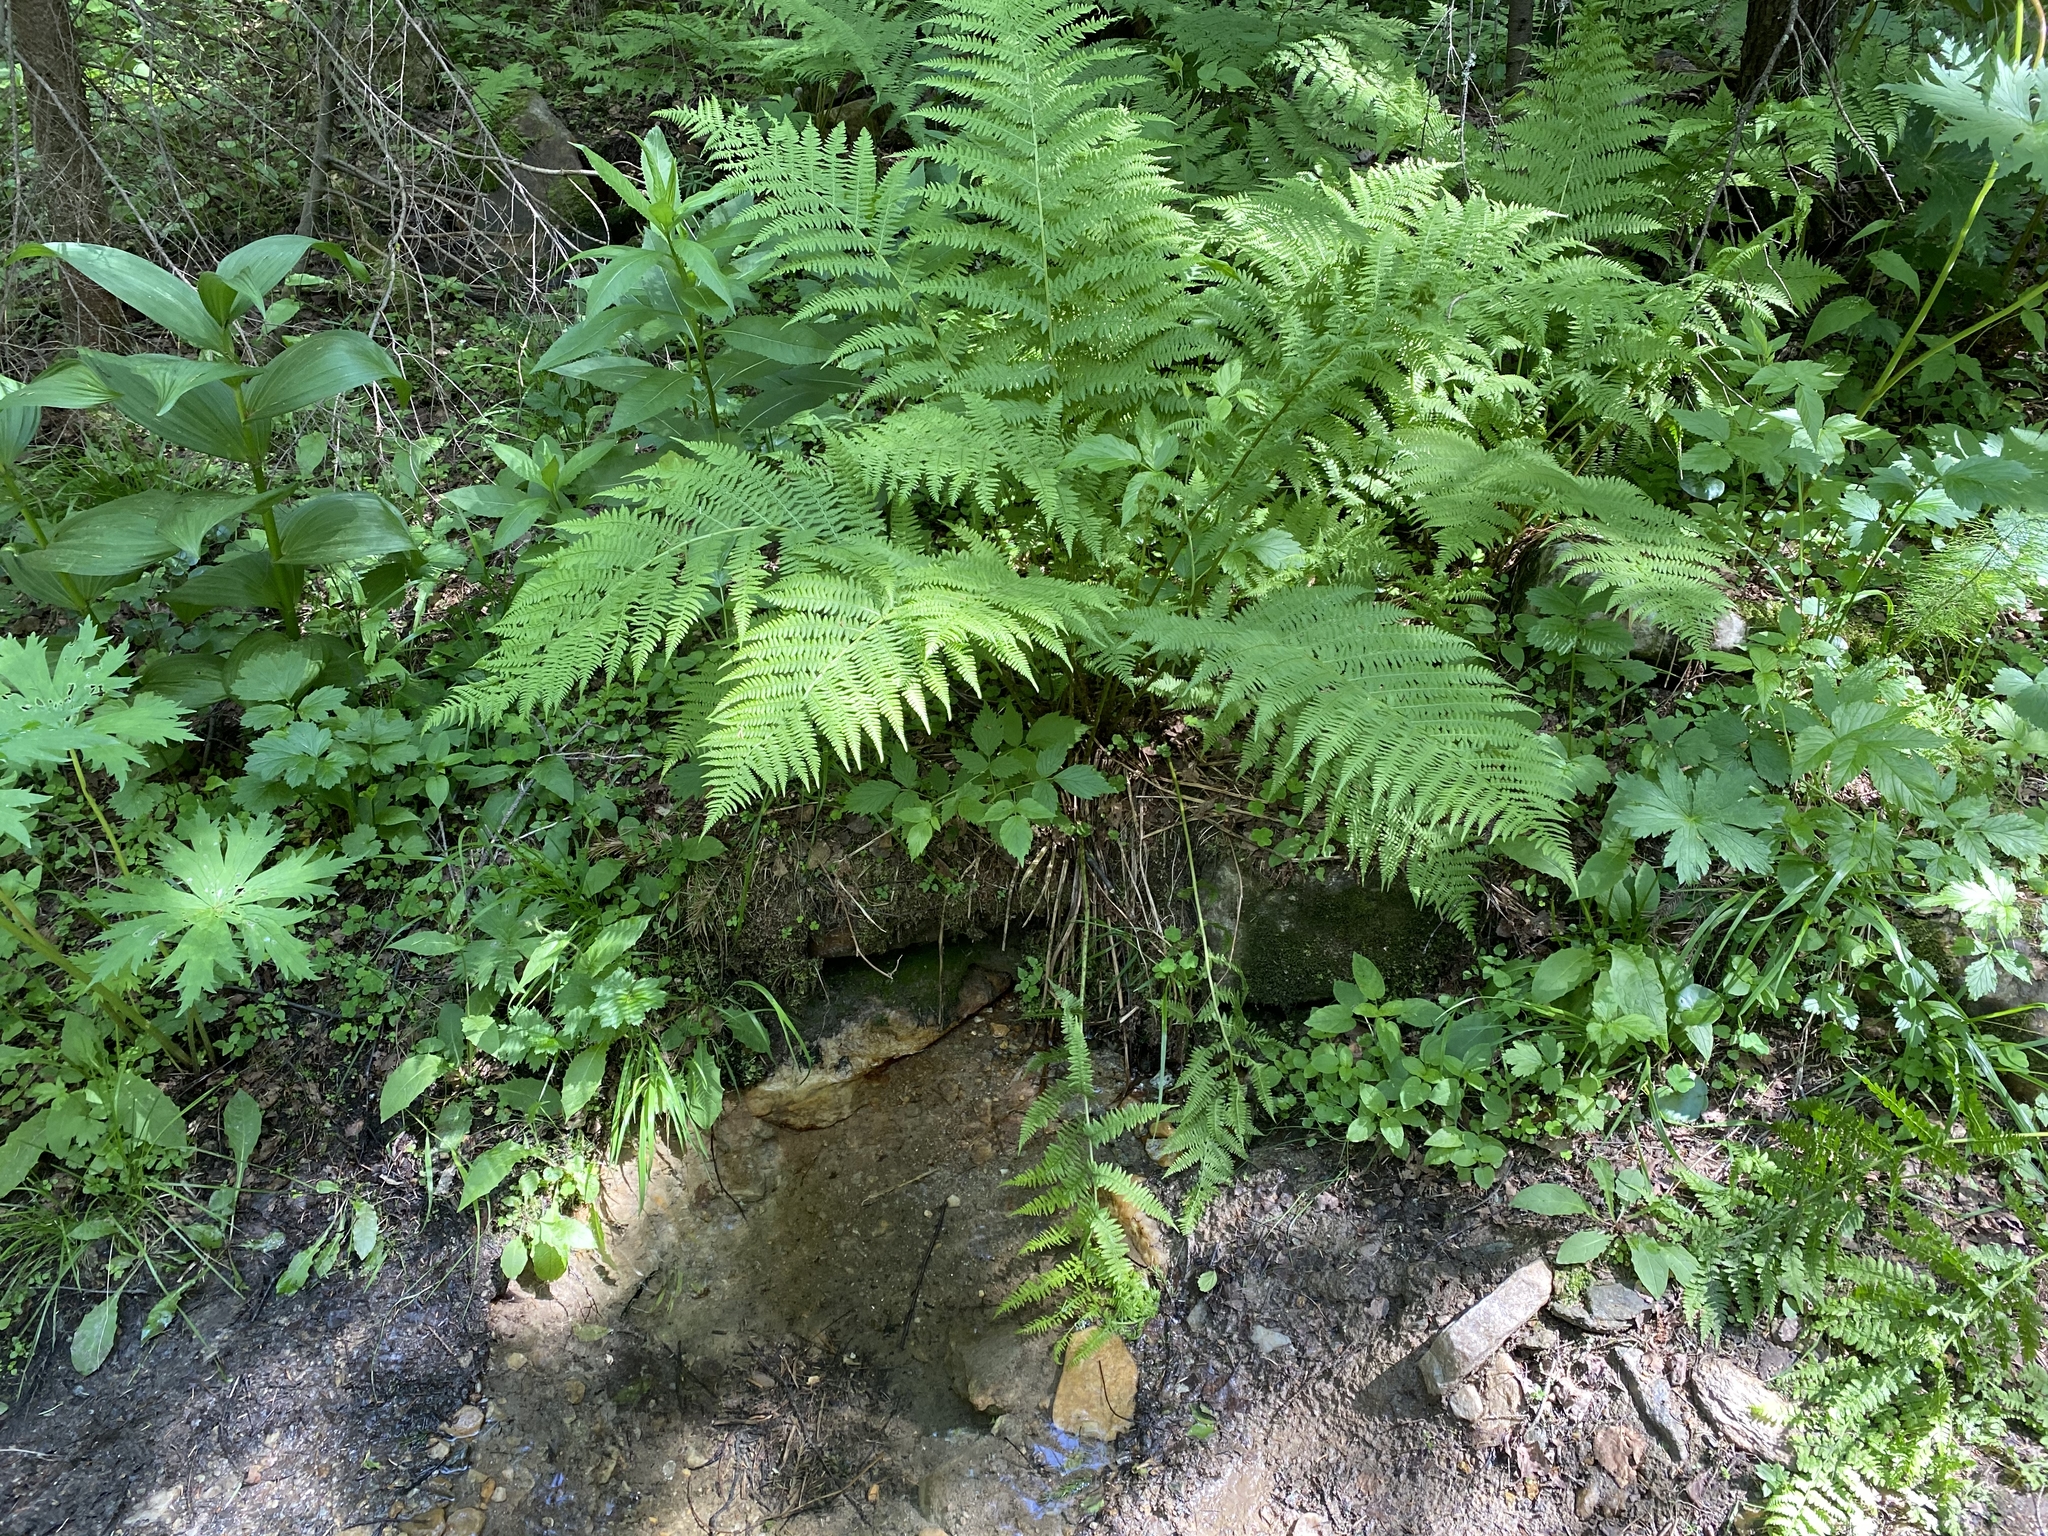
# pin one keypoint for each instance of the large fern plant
(1101, 429)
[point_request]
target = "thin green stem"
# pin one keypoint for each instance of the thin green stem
(1892, 373)
(21, 927)
(100, 816)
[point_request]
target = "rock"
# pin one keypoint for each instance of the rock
(1464, 1402)
(988, 1489)
(1097, 1397)
(515, 1361)
(552, 170)
(1474, 1337)
(160, 1508)
(1655, 1401)
(1731, 632)
(1269, 1341)
(1620, 1304)
(1600, 1495)
(433, 1523)
(1292, 940)
(1607, 1308)
(1744, 1412)
(572, 1391)
(466, 1422)
(1141, 1231)
(1491, 1401)
(870, 1019)
(1620, 1451)
(464, 1522)
(999, 1370)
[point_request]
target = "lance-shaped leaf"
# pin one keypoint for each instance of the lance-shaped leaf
(316, 370)
(222, 904)
(142, 285)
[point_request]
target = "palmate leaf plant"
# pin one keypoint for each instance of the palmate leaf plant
(256, 546)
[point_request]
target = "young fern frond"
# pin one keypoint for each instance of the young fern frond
(1098, 1283)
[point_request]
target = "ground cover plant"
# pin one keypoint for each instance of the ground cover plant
(1599, 490)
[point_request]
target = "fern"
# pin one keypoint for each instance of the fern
(1351, 101)
(1578, 143)
(858, 635)
(1096, 1283)
(1392, 726)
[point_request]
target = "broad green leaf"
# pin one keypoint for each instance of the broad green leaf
(1561, 973)
(203, 418)
(747, 1029)
(275, 670)
(19, 421)
(318, 369)
(2008, 117)
(408, 1080)
(1552, 1200)
(1897, 268)
(147, 1113)
(142, 285)
(112, 539)
(242, 1122)
(1583, 1247)
(21, 1151)
(261, 265)
(155, 382)
(296, 1273)
(672, 389)
(783, 341)
(94, 1339)
(163, 1311)
(427, 942)
(1837, 316)
(598, 333)
(69, 385)
(222, 903)
(1083, 782)
(582, 1080)
(362, 1229)
(341, 527)
(1015, 836)
(490, 1170)
(1701, 815)
(17, 810)
(512, 1257)
(246, 580)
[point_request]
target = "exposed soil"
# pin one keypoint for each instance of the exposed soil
(781, 1336)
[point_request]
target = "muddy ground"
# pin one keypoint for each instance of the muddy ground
(785, 1337)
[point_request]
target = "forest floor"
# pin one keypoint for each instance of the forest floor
(784, 1336)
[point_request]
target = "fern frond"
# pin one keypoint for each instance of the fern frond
(1399, 730)
(860, 636)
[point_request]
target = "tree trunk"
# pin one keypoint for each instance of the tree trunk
(69, 201)
(1770, 41)
(1521, 28)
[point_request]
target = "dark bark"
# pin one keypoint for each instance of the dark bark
(1521, 29)
(324, 43)
(68, 199)
(1782, 33)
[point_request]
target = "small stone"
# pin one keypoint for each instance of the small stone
(1731, 630)
(437, 1450)
(515, 1361)
(466, 1422)
(1474, 1337)
(1744, 1412)
(573, 1390)
(1097, 1396)
(1268, 1341)
(1616, 1304)
(1464, 1402)
(952, 1202)
(668, 1470)
(433, 1523)
(998, 1370)
(1655, 1401)
(159, 1508)
(1620, 1451)
(1538, 1339)
(1600, 1496)
(464, 1522)
(589, 1333)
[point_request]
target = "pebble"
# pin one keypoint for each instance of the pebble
(437, 1450)
(1464, 1402)
(515, 1361)
(466, 1422)
(464, 1522)
(573, 1390)
(1269, 1341)
(953, 1202)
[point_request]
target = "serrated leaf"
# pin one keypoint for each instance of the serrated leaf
(1701, 815)
(1552, 1200)
(222, 903)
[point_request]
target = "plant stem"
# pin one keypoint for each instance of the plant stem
(21, 927)
(100, 816)
(1892, 372)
